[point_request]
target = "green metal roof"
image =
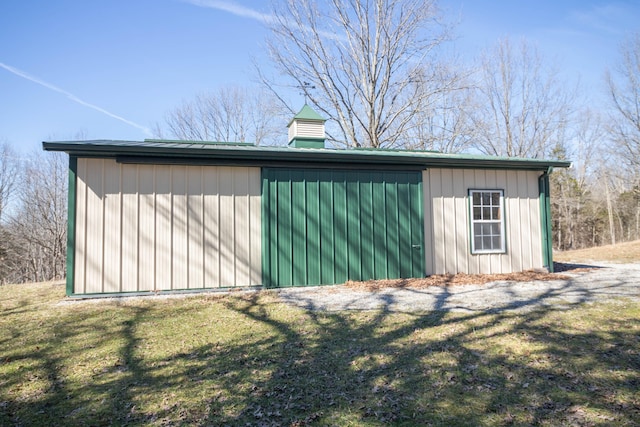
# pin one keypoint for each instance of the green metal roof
(186, 141)
(307, 113)
(199, 152)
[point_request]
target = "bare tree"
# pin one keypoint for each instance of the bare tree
(523, 108)
(39, 227)
(624, 92)
(367, 65)
(584, 197)
(9, 167)
(9, 172)
(624, 126)
(443, 123)
(588, 142)
(594, 202)
(229, 114)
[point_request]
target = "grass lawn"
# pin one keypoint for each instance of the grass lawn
(246, 359)
(622, 252)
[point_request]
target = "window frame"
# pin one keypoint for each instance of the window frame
(500, 220)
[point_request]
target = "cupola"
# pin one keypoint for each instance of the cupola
(306, 129)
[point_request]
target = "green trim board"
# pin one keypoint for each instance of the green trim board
(545, 219)
(195, 161)
(306, 142)
(291, 156)
(162, 292)
(324, 227)
(71, 224)
(266, 246)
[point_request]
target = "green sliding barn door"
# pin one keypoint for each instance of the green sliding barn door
(329, 226)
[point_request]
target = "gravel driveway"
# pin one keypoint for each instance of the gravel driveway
(606, 281)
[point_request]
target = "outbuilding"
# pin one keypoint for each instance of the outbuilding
(159, 215)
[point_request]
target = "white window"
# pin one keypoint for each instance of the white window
(487, 221)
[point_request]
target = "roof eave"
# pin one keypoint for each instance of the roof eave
(306, 155)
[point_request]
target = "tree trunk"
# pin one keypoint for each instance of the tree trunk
(612, 230)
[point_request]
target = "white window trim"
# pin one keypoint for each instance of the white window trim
(501, 221)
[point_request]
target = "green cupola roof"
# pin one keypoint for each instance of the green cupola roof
(307, 113)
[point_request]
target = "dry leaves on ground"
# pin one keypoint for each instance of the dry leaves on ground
(454, 280)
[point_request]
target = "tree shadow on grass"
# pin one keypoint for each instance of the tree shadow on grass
(373, 372)
(41, 373)
(289, 366)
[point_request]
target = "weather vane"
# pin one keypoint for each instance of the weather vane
(305, 86)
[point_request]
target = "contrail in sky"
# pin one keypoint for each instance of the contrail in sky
(72, 97)
(245, 12)
(234, 9)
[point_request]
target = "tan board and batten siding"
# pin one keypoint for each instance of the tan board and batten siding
(166, 227)
(448, 248)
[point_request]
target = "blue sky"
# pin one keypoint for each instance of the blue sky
(111, 69)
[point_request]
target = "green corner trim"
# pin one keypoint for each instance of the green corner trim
(423, 249)
(71, 224)
(545, 219)
(264, 197)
